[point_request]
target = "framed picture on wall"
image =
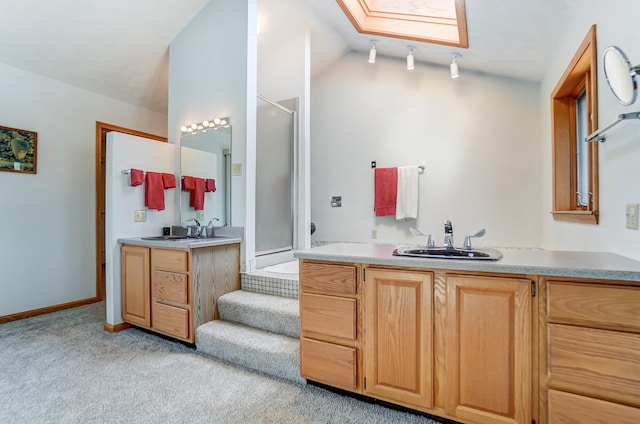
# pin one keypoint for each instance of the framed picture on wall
(18, 150)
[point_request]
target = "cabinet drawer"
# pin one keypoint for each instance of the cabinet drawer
(566, 408)
(328, 315)
(328, 363)
(170, 286)
(597, 362)
(328, 279)
(170, 260)
(612, 307)
(170, 320)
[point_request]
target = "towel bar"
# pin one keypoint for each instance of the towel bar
(420, 167)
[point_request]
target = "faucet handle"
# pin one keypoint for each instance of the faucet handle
(467, 239)
(430, 242)
(416, 232)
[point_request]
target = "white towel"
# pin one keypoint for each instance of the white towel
(407, 199)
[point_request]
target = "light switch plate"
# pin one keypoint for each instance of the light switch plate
(632, 216)
(140, 216)
(236, 169)
(200, 216)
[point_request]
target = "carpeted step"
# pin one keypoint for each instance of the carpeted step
(270, 313)
(262, 351)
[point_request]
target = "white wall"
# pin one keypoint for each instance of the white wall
(284, 49)
(212, 72)
(479, 136)
(619, 156)
(125, 152)
(47, 254)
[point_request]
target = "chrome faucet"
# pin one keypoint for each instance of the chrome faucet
(195, 232)
(448, 235)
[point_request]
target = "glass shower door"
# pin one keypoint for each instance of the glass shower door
(274, 178)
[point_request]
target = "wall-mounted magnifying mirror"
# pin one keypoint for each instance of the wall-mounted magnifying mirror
(207, 155)
(621, 75)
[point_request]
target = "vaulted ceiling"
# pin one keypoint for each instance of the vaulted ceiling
(119, 48)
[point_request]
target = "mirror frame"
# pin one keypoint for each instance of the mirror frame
(632, 72)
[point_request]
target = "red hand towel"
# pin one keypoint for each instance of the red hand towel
(188, 183)
(136, 176)
(386, 191)
(197, 195)
(210, 185)
(154, 191)
(169, 181)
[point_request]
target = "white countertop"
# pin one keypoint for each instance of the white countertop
(514, 261)
(191, 243)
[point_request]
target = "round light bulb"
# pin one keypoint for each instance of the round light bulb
(216, 121)
(205, 123)
(183, 128)
(194, 126)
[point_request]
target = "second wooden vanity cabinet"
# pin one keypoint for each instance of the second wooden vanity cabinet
(171, 290)
(456, 345)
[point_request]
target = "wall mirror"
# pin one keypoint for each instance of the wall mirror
(205, 153)
(621, 75)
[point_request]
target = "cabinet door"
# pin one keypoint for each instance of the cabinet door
(398, 332)
(489, 349)
(135, 285)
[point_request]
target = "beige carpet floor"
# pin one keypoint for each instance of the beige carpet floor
(64, 368)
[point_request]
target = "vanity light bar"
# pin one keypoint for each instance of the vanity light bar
(205, 125)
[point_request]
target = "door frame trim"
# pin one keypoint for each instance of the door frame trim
(103, 127)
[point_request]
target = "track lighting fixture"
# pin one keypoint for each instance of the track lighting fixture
(410, 61)
(454, 65)
(372, 52)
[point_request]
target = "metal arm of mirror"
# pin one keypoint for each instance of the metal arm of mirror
(206, 153)
(621, 77)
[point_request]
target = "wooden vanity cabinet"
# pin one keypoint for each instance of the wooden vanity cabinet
(591, 352)
(173, 291)
(455, 345)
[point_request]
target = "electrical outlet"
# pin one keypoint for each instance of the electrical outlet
(374, 233)
(236, 169)
(632, 216)
(140, 216)
(200, 216)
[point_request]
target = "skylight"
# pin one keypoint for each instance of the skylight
(428, 21)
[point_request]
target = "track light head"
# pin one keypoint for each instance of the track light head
(372, 52)
(454, 65)
(410, 59)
